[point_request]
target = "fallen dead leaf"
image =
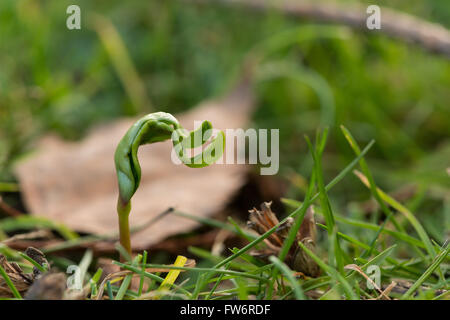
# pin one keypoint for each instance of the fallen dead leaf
(75, 183)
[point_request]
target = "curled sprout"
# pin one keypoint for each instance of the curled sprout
(157, 127)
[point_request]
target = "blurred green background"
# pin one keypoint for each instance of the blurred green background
(64, 81)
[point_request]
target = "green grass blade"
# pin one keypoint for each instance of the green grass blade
(34, 263)
(123, 287)
(127, 281)
(437, 261)
(94, 280)
(216, 284)
(109, 290)
(373, 190)
(297, 222)
(334, 249)
(197, 269)
(141, 281)
(85, 263)
(379, 258)
(299, 295)
(408, 215)
(28, 222)
(331, 272)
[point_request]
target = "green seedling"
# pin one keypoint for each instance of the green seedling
(158, 127)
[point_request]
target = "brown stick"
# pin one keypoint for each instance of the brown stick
(10, 211)
(431, 36)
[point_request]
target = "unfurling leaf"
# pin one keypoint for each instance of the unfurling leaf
(157, 127)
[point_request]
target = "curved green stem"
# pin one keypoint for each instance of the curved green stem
(123, 210)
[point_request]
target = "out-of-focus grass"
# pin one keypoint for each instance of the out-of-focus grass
(64, 81)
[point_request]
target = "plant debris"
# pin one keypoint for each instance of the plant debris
(51, 286)
(263, 220)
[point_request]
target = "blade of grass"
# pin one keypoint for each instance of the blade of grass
(109, 290)
(141, 281)
(442, 296)
(127, 281)
(297, 222)
(247, 236)
(256, 263)
(84, 264)
(241, 288)
(123, 252)
(217, 224)
(28, 222)
(408, 215)
(361, 224)
(216, 284)
(299, 295)
(146, 274)
(261, 238)
(331, 272)
(379, 258)
(175, 272)
(370, 226)
(437, 261)
(93, 281)
(122, 63)
(113, 236)
(334, 250)
(128, 293)
(366, 247)
(358, 243)
(201, 280)
(205, 254)
(196, 269)
(34, 263)
(292, 234)
(351, 275)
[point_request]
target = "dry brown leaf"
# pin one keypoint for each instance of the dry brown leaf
(75, 183)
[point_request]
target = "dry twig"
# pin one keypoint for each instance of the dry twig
(431, 36)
